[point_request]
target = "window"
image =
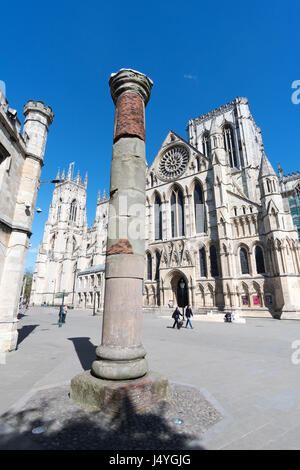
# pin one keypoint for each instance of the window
(199, 209)
(202, 259)
(73, 211)
(259, 258)
(59, 210)
(214, 269)
(149, 267)
(206, 144)
(177, 213)
(157, 258)
(158, 218)
(244, 261)
(230, 145)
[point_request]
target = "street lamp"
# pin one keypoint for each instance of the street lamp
(52, 181)
(38, 210)
(182, 286)
(95, 289)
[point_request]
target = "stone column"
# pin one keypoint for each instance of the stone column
(121, 354)
(120, 373)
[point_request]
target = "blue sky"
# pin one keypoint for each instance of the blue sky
(200, 55)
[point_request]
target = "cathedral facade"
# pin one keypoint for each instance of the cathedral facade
(219, 231)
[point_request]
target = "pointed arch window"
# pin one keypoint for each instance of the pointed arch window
(229, 143)
(206, 144)
(203, 265)
(73, 211)
(59, 210)
(149, 267)
(158, 218)
(177, 213)
(157, 259)
(199, 209)
(214, 268)
(244, 261)
(259, 259)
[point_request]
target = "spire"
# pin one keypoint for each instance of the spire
(214, 128)
(104, 195)
(266, 168)
(63, 174)
(70, 171)
(280, 171)
(99, 197)
(86, 179)
(57, 176)
(77, 177)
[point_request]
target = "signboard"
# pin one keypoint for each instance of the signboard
(59, 296)
(256, 300)
(245, 300)
(171, 303)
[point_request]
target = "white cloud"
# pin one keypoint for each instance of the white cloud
(190, 76)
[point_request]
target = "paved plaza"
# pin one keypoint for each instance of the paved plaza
(244, 371)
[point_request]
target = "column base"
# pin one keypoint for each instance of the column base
(8, 337)
(117, 397)
(119, 370)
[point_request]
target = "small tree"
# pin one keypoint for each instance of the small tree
(28, 283)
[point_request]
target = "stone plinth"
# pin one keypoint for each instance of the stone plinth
(117, 397)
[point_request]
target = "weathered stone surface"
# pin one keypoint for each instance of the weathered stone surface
(21, 162)
(129, 117)
(117, 397)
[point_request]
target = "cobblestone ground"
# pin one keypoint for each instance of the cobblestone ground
(70, 426)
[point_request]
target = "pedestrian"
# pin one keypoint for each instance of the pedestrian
(188, 314)
(176, 315)
(227, 317)
(65, 311)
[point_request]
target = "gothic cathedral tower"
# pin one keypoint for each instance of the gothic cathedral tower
(65, 231)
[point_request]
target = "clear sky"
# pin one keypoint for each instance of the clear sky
(199, 54)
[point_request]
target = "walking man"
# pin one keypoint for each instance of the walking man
(176, 315)
(188, 314)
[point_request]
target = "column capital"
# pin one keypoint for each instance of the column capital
(130, 81)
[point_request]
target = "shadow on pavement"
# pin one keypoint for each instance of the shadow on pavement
(78, 428)
(24, 332)
(85, 351)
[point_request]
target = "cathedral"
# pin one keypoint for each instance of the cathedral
(219, 230)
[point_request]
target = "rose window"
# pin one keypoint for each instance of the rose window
(173, 163)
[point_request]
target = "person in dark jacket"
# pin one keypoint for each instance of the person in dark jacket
(176, 315)
(188, 314)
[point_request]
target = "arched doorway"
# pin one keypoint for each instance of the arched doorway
(182, 293)
(179, 288)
